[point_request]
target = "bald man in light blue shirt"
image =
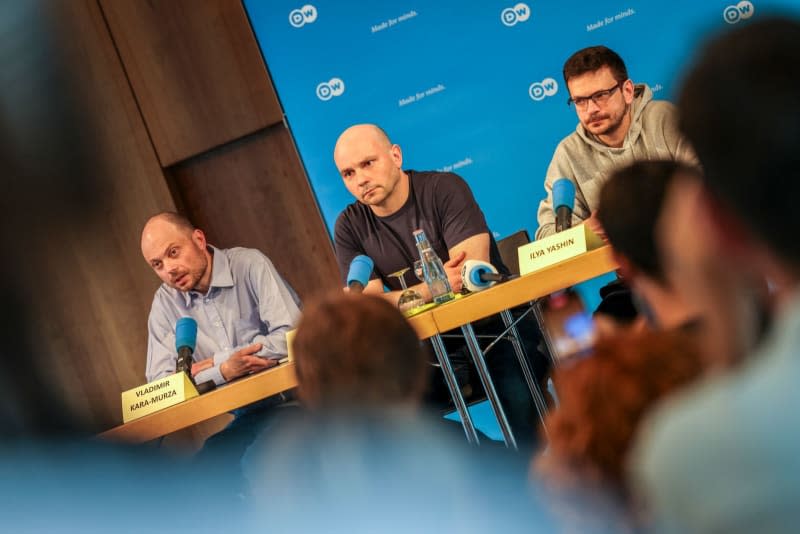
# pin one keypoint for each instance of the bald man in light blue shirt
(242, 306)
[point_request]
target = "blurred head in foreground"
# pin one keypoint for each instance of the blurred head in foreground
(602, 399)
(722, 457)
(631, 203)
(364, 459)
(357, 352)
(50, 191)
(740, 107)
(725, 235)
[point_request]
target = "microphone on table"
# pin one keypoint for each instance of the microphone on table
(185, 341)
(359, 273)
(563, 203)
(478, 275)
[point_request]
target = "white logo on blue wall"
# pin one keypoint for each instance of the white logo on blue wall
(305, 15)
(519, 13)
(742, 10)
(329, 89)
(541, 90)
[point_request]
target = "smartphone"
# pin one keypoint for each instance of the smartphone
(567, 325)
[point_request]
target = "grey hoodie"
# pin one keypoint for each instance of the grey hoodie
(653, 134)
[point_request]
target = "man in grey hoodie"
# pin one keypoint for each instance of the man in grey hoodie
(619, 123)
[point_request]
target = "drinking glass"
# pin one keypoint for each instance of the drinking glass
(409, 298)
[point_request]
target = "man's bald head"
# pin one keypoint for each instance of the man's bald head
(176, 251)
(361, 133)
(170, 217)
(371, 167)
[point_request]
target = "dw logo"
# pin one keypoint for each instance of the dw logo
(541, 90)
(519, 13)
(305, 15)
(329, 89)
(742, 10)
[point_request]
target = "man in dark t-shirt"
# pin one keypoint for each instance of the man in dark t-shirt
(390, 204)
(441, 204)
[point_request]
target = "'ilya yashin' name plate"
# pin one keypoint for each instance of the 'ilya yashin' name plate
(156, 395)
(556, 248)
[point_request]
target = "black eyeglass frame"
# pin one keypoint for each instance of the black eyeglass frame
(603, 93)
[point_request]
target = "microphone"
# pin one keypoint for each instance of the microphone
(563, 203)
(478, 275)
(358, 275)
(185, 340)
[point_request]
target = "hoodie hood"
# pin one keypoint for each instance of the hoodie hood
(642, 95)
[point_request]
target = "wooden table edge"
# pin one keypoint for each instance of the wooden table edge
(519, 291)
(204, 407)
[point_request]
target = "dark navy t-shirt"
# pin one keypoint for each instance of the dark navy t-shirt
(440, 203)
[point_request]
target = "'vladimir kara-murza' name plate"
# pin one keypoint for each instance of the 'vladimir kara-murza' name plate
(156, 395)
(556, 248)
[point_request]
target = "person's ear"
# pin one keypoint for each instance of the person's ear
(199, 238)
(627, 91)
(397, 156)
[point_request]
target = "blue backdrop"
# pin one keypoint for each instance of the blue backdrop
(471, 87)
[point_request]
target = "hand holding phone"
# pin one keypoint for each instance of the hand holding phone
(568, 327)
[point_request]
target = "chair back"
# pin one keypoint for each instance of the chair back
(508, 247)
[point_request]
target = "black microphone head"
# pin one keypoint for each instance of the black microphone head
(493, 277)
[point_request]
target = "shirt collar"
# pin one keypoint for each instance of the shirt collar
(220, 274)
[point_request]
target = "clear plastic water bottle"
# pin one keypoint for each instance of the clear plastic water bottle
(433, 270)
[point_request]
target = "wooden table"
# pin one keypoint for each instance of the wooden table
(228, 397)
(524, 289)
(498, 300)
(429, 324)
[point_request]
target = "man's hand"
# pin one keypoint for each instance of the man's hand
(453, 270)
(243, 362)
(593, 224)
(202, 365)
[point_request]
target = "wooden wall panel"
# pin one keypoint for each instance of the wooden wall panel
(182, 80)
(99, 288)
(196, 70)
(254, 193)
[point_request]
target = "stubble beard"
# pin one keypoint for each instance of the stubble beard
(196, 275)
(615, 125)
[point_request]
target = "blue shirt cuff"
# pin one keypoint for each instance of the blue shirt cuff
(212, 373)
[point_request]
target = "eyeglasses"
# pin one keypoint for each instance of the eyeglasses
(599, 97)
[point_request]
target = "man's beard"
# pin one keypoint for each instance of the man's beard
(614, 126)
(199, 273)
(195, 275)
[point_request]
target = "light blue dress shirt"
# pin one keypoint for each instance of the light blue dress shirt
(725, 455)
(247, 302)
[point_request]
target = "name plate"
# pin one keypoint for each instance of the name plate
(289, 346)
(557, 247)
(156, 395)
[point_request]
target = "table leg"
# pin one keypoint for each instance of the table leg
(488, 386)
(455, 390)
(551, 352)
(533, 385)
